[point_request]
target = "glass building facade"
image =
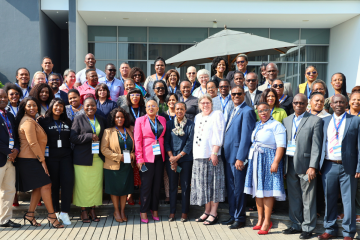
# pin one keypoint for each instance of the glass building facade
(140, 46)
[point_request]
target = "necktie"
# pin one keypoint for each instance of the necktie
(231, 117)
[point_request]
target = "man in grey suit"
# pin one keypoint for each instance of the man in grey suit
(252, 97)
(273, 71)
(340, 166)
(304, 137)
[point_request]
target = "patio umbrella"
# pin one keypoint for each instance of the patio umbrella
(229, 44)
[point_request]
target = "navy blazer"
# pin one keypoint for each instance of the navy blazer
(4, 140)
(64, 97)
(178, 144)
(237, 140)
(350, 144)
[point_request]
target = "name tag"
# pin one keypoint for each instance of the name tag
(95, 147)
(46, 151)
(11, 143)
(337, 151)
(251, 152)
(127, 158)
(156, 149)
(290, 148)
(59, 144)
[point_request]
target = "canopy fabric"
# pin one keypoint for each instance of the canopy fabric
(229, 44)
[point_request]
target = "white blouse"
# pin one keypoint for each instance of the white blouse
(198, 92)
(209, 132)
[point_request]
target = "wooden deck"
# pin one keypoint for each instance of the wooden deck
(109, 229)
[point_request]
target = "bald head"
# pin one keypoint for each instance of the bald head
(90, 60)
(337, 97)
(191, 73)
(300, 96)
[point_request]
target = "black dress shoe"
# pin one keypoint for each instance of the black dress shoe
(228, 222)
(305, 235)
(237, 225)
(11, 224)
(291, 230)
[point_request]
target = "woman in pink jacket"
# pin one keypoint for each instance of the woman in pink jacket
(149, 134)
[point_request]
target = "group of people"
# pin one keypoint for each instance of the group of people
(221, 136)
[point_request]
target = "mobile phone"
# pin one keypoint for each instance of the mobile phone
(143, 168)
(178, 169)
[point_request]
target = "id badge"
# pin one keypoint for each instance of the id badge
(46, 151)
(290, 148)
(59, 144)
(11, 143)
(127, 158)
(95, 147)
(156, 149)
(251, 152)
(337, 151)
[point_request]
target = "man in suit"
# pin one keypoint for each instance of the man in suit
(237, 142)
(340, 167)
(227, 104)
(9, 149)
(272, 71)
(252, 97)
(54, 83)
(304, 143)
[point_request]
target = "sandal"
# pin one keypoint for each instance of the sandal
(84, 220)
(36, 224)
(213, 221)
(55, 219)
(94, 219)
(200, 219)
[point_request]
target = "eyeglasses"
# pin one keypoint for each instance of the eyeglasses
(160, 88)
(112, 70)
(135, 95)
(251, 80)
(298, 103)
(264, 111)
(238, 94)
(309, 73)
(54, 80)
(238, 62)
(151, 106)
(14, 94)
(137, 75)
(278, 85)
(223, 86)
(191, 73)
(205, 103)
(272, 71)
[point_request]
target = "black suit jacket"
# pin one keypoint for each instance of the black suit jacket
(4, 139)
(257, 98)
(64, 97)
(81, 136)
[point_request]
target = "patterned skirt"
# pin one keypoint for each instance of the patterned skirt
(260, 182)
(207, 182)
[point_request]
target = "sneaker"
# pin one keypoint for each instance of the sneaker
(64, 217)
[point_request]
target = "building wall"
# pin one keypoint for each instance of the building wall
(81, 42)
(344, 52)
(20, 37)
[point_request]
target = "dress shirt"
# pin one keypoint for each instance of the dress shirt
(297, 122)
(115, 86)
(252, 95)
(271, 133)
(331, 131)
(105, 108)
(57, 94)
(226, 109)
(198, 92)
(85, 89)
(81, 76)
(233, 113)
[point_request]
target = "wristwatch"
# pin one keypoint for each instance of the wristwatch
(215, 153)
(181, 155)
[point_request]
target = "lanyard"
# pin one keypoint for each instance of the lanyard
(281, 98)
(192, 89)
(357, 115)
(121, 78)
(155, 126)
(169, 115)
(58, 127)
(296, 127)
(112, 83)
(272, 110)
(221, 101)
(47, 107)
(90, 86)
(170, 89)
(202, 91)
(138, 115)
(72, 111)
(92, 125)
(161, 77)
(123, 136)
(308, 90)
(27, 90)
(46, 76)
(338, 127)
(17, 110)
(8, 125)
(66, 86)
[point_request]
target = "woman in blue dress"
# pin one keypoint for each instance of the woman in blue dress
(264, 178)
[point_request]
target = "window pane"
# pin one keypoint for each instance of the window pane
(314, 53)
(103, 50)
(132, 34)
(290, 35)
(292, 75)
(290, 56)
(132, 51)
(139, 64)
(105, 34)
(177, 35)
(165, 50)
(282, 71)
(100, 64)
(315, 36)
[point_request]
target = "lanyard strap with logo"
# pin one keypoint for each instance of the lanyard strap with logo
(126, 152)
(135, 116)
(170, 89)
(95, 146)
(338, 127)
(47, 107)
(90, 86)
(59, 144)
(272, 110)
(202, 90)
(221, 101)
(156, 146)
(308, 91)
(161, 77)
(111, 85)
(192, 89)
(170, 115)
(72, 111)
(281, 99)
(291, 146)
(17, 110)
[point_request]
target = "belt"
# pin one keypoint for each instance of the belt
(335, 161)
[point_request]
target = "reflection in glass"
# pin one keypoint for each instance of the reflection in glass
(290, 35)
(165, 50)
(103, 50)
(132, 51)
(314, 53)
(315, 36)
(132, 34)
(103, 34)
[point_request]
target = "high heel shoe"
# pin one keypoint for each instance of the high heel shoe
(144, 220)
(155, 218)
(256, 227)
(95, 218)
(36, 224)
(52, 223)
(263, 232)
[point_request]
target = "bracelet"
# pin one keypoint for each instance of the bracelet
(215, 153)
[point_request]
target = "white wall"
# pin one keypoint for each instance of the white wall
(81, 42)
(344, 52)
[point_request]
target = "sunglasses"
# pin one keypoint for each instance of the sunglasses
(137, 75)
(278, 85)
(224, 87)
(135, 95)
(16, 94)
(309, 73)
(54, 80)
(191, 73)
(238, 62)
(298, 103)
(251, 80)
(112, 70)
(160, 88)
(238, 94)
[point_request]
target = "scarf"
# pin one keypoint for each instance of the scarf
(179, 128)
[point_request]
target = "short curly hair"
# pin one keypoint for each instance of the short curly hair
(35, 92)
(113, 115)
(8, 86)
(216, 61)
(266, 93)
(134, 70)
